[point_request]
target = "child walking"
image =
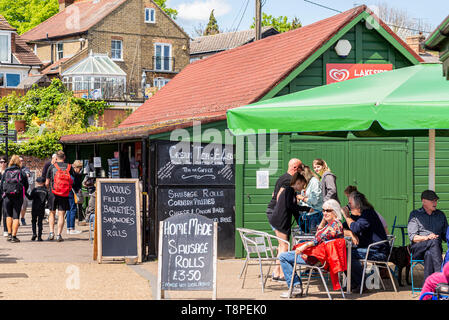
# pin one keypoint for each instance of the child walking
(39, 196)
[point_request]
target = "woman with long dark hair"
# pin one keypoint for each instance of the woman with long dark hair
(13, 185)
(3, 165)
(368, 229)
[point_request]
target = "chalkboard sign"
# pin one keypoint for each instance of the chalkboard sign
(180, 163)
(211, 202)
(187, 254)
(118, 218)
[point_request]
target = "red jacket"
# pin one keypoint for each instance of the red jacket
(334, 253)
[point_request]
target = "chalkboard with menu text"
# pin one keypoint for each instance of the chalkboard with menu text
(185, 163)
(187, 254)
(118, 219)
(216, 203)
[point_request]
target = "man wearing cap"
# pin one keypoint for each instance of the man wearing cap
(427, 229)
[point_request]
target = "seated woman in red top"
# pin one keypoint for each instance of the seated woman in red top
(330, 228)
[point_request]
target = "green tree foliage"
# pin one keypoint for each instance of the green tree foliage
(280, 23)
(173, 13)
(212, 26)
(26, 14)
(61, 112)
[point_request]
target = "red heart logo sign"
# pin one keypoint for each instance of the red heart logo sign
(339, 74)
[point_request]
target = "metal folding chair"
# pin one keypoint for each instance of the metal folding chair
(377, 264)
(259, 243)
(403, 229)
(413, 264)
(320, 270)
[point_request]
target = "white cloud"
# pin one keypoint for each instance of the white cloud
(200, 10)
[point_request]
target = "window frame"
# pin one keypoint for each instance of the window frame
(6, 79)
(158, 80)
(8, 35)
(170, 61)
(115, 50)
(150, 10)
(58, 51)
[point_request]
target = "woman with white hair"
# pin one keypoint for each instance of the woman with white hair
(329, 228)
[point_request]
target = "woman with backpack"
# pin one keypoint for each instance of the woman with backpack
(3, 165)
(13, 186)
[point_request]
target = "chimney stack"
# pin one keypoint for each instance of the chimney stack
(13, 42)
(64, 4)
(416, 42)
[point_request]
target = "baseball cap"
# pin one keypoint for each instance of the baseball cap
(429, 195)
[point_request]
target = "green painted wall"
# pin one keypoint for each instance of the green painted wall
(368, 46)
(421, 170)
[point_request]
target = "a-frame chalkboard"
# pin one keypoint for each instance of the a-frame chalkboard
(118, 219)
(187, 255)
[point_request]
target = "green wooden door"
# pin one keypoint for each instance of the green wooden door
(380, 170)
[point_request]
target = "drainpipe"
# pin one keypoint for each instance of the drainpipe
(144, 196)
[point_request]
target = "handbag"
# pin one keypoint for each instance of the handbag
(79, 197)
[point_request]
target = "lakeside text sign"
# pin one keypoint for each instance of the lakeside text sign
(337, 72)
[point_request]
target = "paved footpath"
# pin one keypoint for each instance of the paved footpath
(53, 270)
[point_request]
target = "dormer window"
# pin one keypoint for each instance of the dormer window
(5, 47)
(150, 15)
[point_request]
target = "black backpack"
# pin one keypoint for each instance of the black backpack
(12, 185)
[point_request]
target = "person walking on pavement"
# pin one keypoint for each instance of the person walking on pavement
(59, 181)
(39, 196)
(71, 213)
(3, 165)
(13, 186)
(47, 164)
(26, 171)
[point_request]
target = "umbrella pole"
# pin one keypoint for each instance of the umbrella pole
(432, 159)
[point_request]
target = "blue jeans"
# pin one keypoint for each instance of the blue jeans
(287, 260)
(71, 213)
(356, 265)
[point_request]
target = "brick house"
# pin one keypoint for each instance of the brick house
(205, 46)
(136, 36)
(17, 61)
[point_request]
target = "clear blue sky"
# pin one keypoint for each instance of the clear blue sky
(229, 13)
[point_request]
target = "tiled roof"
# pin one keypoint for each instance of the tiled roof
(240, 76)
(131, 133)
(54, 67)
(24, 54)
(4, 24)
(63, 23)
(225, 41)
